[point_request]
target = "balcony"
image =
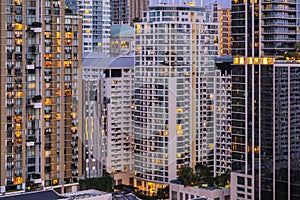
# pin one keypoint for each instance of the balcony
(48, 131)
(47, 146)
(10, 27)
(36, 178)
(47, 169)
(30, 66)
(36, 29)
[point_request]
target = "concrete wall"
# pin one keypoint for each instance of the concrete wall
(191, 192)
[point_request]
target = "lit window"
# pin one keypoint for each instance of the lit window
(47, 101)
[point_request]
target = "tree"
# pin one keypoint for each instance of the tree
(136, 20)
(203, 173)
(163, 193)
(297, 46)
(186, 176)
(103, 184)
(224, 178)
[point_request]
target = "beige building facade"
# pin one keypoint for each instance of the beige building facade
(40, 67)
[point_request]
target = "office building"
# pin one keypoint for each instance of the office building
(96, 23)
(264, 101)
(40, 68)
(108, 89)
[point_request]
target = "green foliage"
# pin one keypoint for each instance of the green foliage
(163, 193)
(103, 184)
(295, 54)
(136, 20)
(202, 175)
(68, 11)
(186, 176)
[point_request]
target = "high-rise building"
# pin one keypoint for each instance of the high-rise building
(127, 11)
(101, 25)
(40, 68)
(108, 89)
(223, 16)
(120, 12)
(178, 91)
(265, 101)
(136, 9)
(95, 23)
(94, 142)
(213, 137)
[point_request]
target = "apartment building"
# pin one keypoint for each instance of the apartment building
(264, 100)
(108, 89)
(136, 9)
(40, 69)
(96, 23)
(120, 12)
(174, 93)
(125, 11)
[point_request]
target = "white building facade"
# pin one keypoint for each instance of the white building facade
(164, 96)
(95, 25)
(108, 88)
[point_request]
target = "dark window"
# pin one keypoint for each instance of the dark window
(240, 180)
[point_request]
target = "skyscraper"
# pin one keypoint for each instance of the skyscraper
(40, 68)
(95, 23)
(223, 16)
(120, 12)
(178, 90)
(108, 89)
(136, 8)
(265, 101)
(125, 11)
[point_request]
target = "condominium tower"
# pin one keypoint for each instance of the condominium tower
(265, 100)
(40, 67)
(95, 23)
(125, 11)
(178, 91)
(108, 88)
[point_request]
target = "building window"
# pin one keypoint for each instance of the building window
(240, 180)
(174, 195)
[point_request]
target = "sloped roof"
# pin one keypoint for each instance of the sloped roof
(124, 60)
(96, 59)
(122, 30)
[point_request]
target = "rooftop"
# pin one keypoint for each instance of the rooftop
(102, 61)
(122, 31)
(47, 194)
(84, 194)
